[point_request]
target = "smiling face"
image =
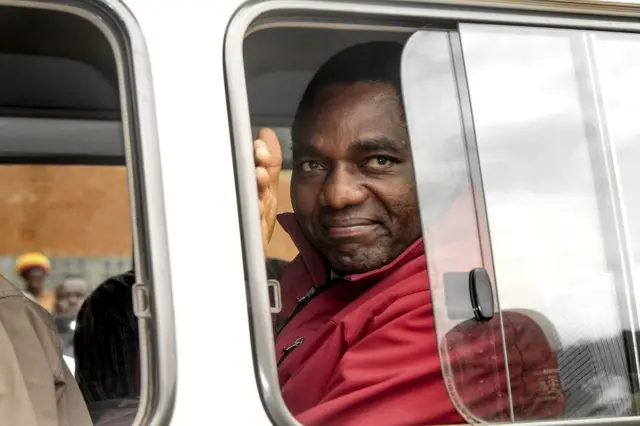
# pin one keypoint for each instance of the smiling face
(353, 188)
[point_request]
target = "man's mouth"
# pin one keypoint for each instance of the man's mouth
(349, 228)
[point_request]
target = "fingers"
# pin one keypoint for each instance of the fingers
(262, 177)
(268, 140)
(262, 159)
(261, 153)
(268, 162)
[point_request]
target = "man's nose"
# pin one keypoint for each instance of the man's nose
(342, 189)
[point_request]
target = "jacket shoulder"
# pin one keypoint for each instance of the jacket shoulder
(20, 306)
(36, 362)
(7, 289)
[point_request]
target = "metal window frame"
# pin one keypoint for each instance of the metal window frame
(158, 366)
(617, 17)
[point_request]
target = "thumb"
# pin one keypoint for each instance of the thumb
(270, 139)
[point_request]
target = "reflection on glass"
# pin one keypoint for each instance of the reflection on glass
(558, 246)
(528, 148)
(482, 384)
(448, 217)
(617, 58)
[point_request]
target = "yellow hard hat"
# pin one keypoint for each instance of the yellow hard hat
(32, 260)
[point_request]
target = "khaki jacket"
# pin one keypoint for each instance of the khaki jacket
(36, 387)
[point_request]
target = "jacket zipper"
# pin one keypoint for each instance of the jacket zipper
(301, 302)
(287, 351)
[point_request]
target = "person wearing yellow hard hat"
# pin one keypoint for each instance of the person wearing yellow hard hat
(34, 269)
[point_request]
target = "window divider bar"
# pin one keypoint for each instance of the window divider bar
(473, 159)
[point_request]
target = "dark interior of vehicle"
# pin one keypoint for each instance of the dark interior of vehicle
(72, 115)
(276, 79)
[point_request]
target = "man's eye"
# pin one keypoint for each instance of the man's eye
(310, 166)
(379, 162)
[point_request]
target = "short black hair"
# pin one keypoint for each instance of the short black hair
(370, 62)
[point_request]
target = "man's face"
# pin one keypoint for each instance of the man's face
(353, 188)
(35, 278)
(70, 296)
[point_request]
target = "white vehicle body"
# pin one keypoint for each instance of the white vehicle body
(202, 342)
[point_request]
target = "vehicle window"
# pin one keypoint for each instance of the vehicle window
(360, 279)
(70, 233)
(518, 144)
(526, 174)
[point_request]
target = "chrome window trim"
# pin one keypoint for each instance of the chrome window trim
(337, 26)
(562, 14)
(157, 338)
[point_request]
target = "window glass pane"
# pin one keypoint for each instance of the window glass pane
(617, 60)
(448, 214)
(551, 199)
(78, 218)
(65, 216)
(534, 130)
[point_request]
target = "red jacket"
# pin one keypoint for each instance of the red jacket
(363, 350)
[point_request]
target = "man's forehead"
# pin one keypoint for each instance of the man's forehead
(371, 89)
(349, 120)
(74, 285)
(367, 99)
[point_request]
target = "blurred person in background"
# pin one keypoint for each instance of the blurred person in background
(34, 269)
(70, 295)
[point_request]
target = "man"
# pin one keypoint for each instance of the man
(36, 386)
(34, 268)
(356, 339)
(106, 348)
(106, 343)
(70, 295)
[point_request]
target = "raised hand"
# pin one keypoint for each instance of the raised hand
(268, 159)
